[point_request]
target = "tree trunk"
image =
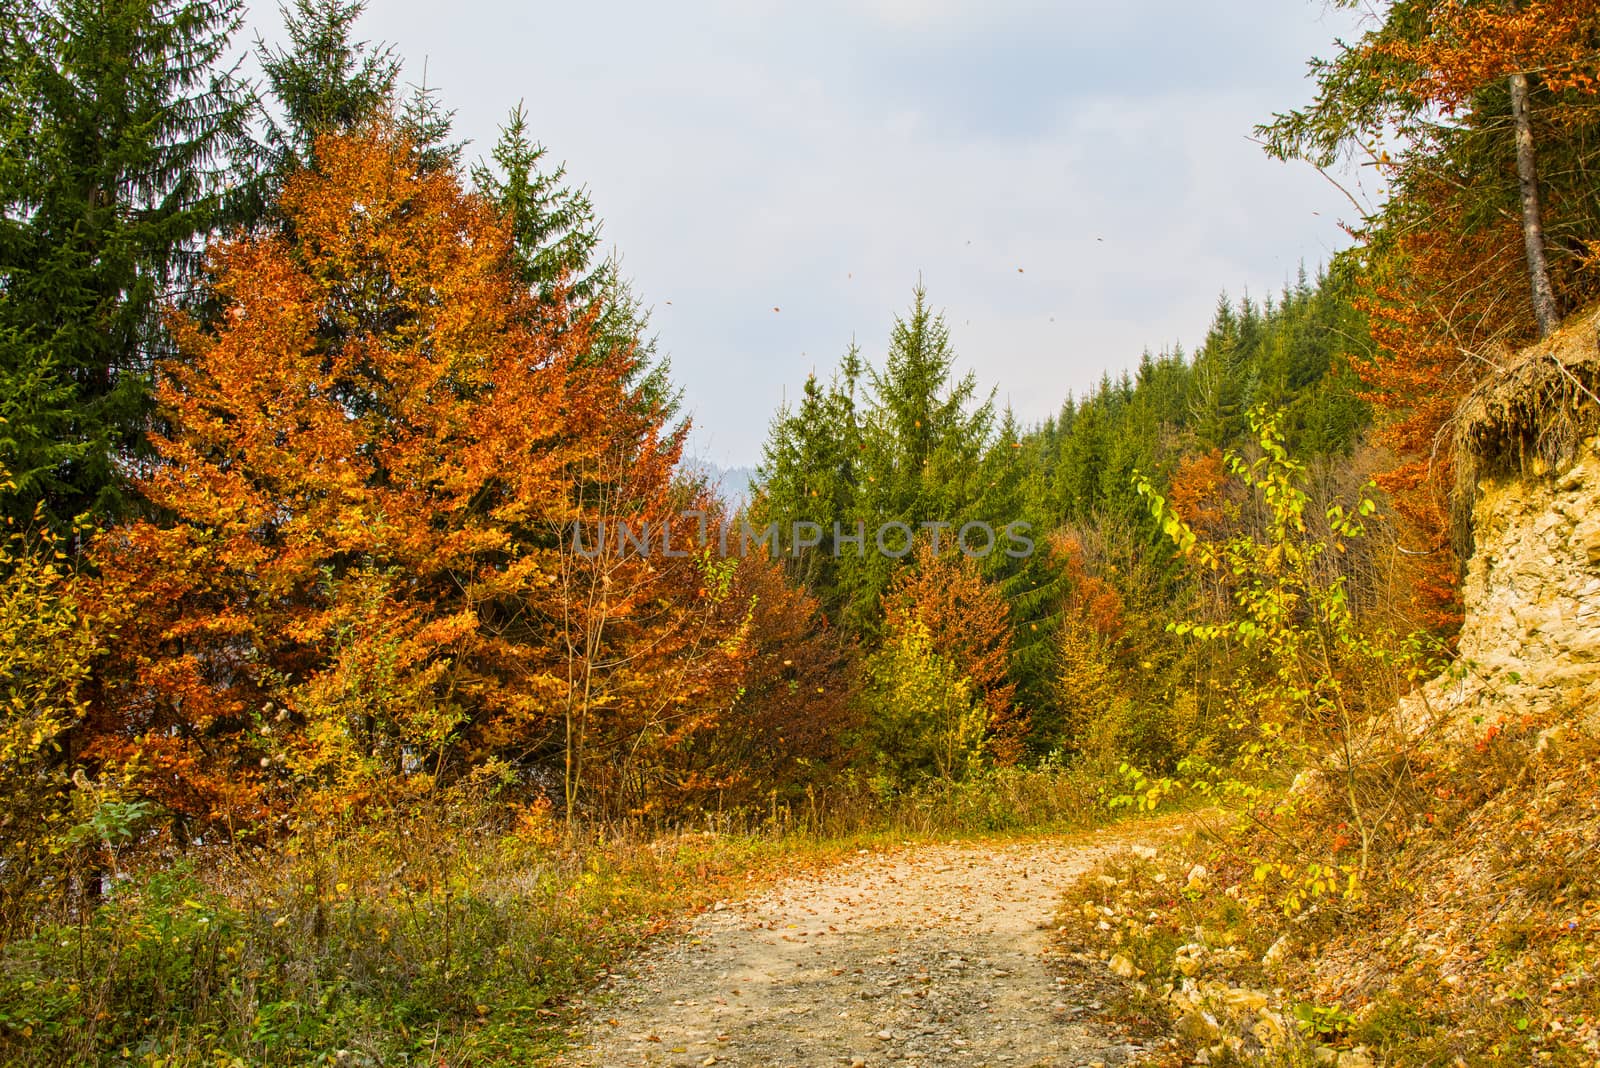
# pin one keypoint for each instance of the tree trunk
(1544, 299)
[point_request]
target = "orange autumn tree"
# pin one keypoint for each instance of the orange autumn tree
(1468, 277)
(1443, 303)
(360, 463)
(1093, 621)
(648, 636)
(967, 621)
(790, 707)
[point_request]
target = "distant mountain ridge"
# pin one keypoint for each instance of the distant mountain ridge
(732, 484)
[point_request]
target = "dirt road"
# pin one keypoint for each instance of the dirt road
(931, 955)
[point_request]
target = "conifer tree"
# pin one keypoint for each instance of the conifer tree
(810, 473)
(428, 124)
(1029, 582)
(1219, 397)
(553, 224)
(927, 421)
(556, 234)
(324, 80)
(123, 135)
(923, 439)
(909, 452)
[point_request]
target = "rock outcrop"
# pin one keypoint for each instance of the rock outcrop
(1529, 453)
(1532, 630)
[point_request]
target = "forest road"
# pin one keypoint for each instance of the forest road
(929, 955)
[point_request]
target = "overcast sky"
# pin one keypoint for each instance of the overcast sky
(817, 158)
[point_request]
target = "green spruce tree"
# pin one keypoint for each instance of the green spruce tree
(124, 136)
(556, 235)
(553, 224)
(324, 79)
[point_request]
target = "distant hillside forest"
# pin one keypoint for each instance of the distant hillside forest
(912, 444)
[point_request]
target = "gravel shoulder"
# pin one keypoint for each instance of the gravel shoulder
(929, 955)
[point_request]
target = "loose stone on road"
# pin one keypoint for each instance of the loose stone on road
(932, 955)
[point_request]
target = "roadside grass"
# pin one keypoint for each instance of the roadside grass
(452, 933)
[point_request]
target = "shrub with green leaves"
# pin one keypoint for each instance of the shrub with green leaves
(923, 718)
(1292, 603)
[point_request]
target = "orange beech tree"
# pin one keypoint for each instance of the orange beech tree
(967, 621)
(790, 708)
(1093, 621)
(365, 463)
(698, 677)
(1443, 302)
(648, 639)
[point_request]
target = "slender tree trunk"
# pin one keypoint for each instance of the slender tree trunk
(1544, 299)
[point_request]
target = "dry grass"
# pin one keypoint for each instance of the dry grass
(1529, 416)
(1474, 941)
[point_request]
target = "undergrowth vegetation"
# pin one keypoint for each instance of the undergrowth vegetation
(1419, 894)
(454, 930)
(1471, 940)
